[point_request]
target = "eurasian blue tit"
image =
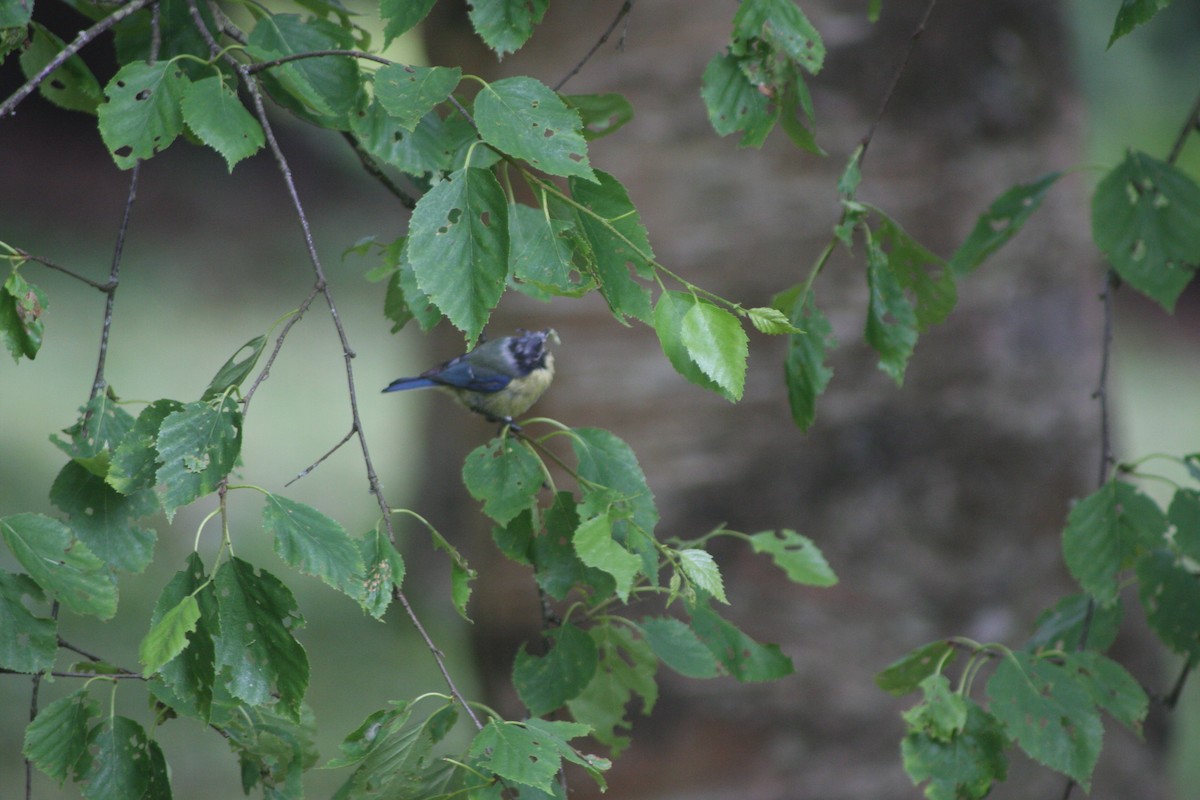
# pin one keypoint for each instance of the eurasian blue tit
(499, 379)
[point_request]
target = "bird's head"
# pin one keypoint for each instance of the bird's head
(528, 350)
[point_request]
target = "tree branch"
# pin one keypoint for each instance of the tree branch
(626, 7)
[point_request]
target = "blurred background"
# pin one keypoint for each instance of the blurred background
(939, 504)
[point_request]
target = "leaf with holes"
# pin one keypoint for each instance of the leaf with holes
(197, 446)
(1007, 214)
(61, 564)
(409, 93)
(135, 461)
(505, 475)
(187, 678)
(545, 683)
(121, 765)
(796, 555)
(1171, 596)
(1106, 532)
(56, 740)
(523, 117)
(101, 427)
(21, 325)
(103, 518)
(71, 86)
(141, 113)
(505, 25)
(314, 544)
(27, 643)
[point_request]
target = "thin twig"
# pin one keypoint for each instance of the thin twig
(114, 275)
(626, 7)
(373, 169)
(349, 435)
(265, 372)
(1190, 126)
(46, 262)
(34, 693)
(259, 66)
(26, 89)
(120, 676)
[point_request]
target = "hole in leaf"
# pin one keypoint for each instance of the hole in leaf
(57, 84)
(486, 218)
(576, 157)
(1138, 251)
(454, 216)
(144, 94)
(548, 133)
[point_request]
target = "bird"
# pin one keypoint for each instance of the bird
(499, 379)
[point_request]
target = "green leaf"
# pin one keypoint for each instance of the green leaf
(72, 86)
(427, 149)
(1170, 595)
(679, 647)
(702, 571)
(627, 666)
(197, 446)
(771, 321)
(314, 544)
(56, 741)
(213, 112)
(601, 114)
(1184, 515)
(60, 564)
(234, 371)
(540, 251)
(101, 426)
(607, 461)
(1061, 627)
(135, 462)
(173, 34)
(327, 86)
(1051, 716)
(557, 567)
(557, 734)
(409, 93)
(942, 712)
(394, 758)
(15, 13)
(717, 343)
(804, 368)
(918, 271)
(258, 615)
(595, 547)
(274, 750)
(141, 115)
(796, 555)
(966, 766)
(783, 25)
(505, 475)
(891, 321)
(545, 683)
(734, 103)
(458, 247)
(102, 518)
(616, 238)
(374, 731)
(401, 16)
(523, 117)
(1110, 686)
(1134, 13)
(120, 767)
(189, 676)
(384, 568)
(505, 25)
(27, 643)
(744, 658)
(168, 636)
(1007, 214)
(906, 674)
(531, 753)
(1105, 533)
(21, 307)
(669, 311)
(1146, 221)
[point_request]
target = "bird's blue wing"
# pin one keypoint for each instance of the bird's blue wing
(461, 374)
(400, 384)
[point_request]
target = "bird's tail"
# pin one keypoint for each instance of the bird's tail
(400, 384)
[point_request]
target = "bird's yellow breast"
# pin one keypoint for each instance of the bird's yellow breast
(514, 399)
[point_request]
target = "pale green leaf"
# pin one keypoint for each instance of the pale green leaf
(314, 544)
(595, 547)
(141, 114)
(168, 636)
(213, 112)
(669, 311)
(21, 324)
(702, 571)
(796, 555)
(71, 86)
(717, 343)
(135, 462)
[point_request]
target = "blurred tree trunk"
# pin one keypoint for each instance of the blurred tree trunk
(940, 503)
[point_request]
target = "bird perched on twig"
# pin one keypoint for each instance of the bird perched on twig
(499, 379)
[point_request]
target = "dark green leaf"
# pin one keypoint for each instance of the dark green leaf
(716, 342)
(197, 446)
(173, 34)
(1061, 627)
(545, 683)
(1184, 514)
(21, 307)
(1049, 713)
(891, 321)
(190, 675)
(517, 753)
(942, 712)
(168, 635)
(784, 27)
(669, 312)
(1171, 596)
(524, 118)
(102, 425)
(734, 103)
(963, 768)
(427, 149)
(918, 271)
(213, 112)
(744, 658)
(1146, 221)
(1134, 13)
(679, 647)
(57, 739)
(328, 85)
(505, 25)
(458, 247)
(135, 461)
(606, 460)
(1105, 532)
(906, 674)
(601, 114)
(616, 238)
(258, 615)
(102, 518)
(400, 16)
(71, 86)
(505, 475)
(120, 767)
(796, 555)
(274, 750)
(234, 371)
(1110, 686)
(159, 787)
(384, 570)
(557, 568)
(540, 251)
(409, 93)
(15, 13)
(61, 564)
(627, 667)
(27, 643)
(314, 544)
(1007, 214)
(804, 369)
(140, 115)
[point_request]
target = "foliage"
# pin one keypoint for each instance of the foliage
(221, 644)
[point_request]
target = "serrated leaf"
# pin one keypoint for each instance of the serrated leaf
(797, 555)
(505, 475)
(1105, 532)
(669, 311)
(141, 115)
(942, 712)
(21, 325)
(804, 368)
(274, 750)
(168, 636)
(1146, 221)
(1110, 686)
(135, 461)
(72, 86)
(401, 16)
(103, 518)
(61, 564)
(213, 112)
(258, 615)
(918, 271)
(905, 674)
(57, 739)
(540, 251)
(627, 666)
(523, 117)
(715, 340)
(963, 768)
(27, 643)
(197, 446)
(601, 114)
(545, 683)
(557, 567)
(1134, 13)
(516, 753)
(1184, 515)
(1061, 627)
(458, 247)
(593, 541)
(329, 86)
(617, 239)
(314, 544)
(783, 25)
(234, 371)
(384, 569)
(394, 757)
(679, 647)
(1007, 214)
(120, 766)
(702, 571)
(734, 103)
(1051, 716)
(101, 426)
(505, 25)
(189, 676)
(771, 321)
(427, 149)
(891, 327)
(409, 93)
(1170, 595)
(744, 658)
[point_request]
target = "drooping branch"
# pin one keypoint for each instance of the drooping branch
(626, 7)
